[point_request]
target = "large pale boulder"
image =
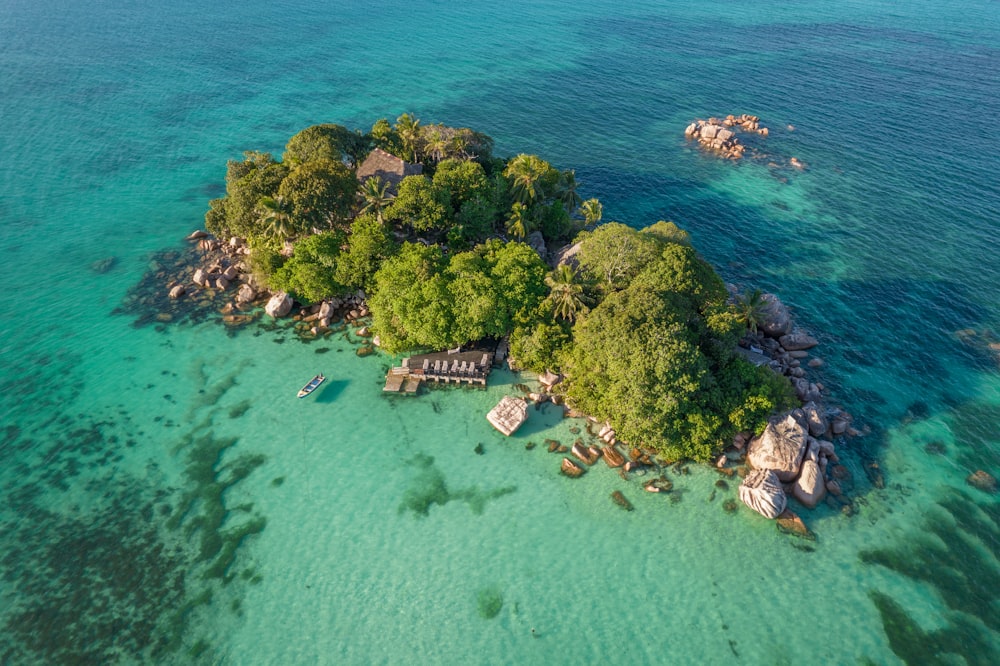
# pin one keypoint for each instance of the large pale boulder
(691, 129)
(709, 131)
(508, 415)
(762, 492)
(816, 419)
(775, 318)
(326, 310)
(725, 135)
(279, 305)
(810, 487)
(797, 341)
(200, 278)
(781, 446)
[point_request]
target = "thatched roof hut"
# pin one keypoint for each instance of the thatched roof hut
(508, 415)
(390, 168)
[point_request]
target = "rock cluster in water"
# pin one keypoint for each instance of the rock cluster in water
(795, 455)
(721, 135)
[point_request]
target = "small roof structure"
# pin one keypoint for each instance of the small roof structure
(390, 168)
(508, 415)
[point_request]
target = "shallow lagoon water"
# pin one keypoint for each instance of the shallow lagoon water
(166, 497)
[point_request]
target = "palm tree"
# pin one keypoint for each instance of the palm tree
(751, 308)
(408, 129)
(592, 211)
(566, 293)
(276, 213)
(517, 223)
(567, 190)
(525, 172)
(437, 146)
(375, 195)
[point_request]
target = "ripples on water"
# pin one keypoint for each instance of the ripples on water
(134, 481)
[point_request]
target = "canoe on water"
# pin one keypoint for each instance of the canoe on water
(311, 386)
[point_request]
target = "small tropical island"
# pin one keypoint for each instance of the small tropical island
(427, 241)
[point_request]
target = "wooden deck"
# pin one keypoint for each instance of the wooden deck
(470, 367)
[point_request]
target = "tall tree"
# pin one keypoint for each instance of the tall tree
(750, 307)
(322, 193)
(566, 294)
(436, 146)
(325, 142)
(568, 195)
(277, 218)
(408, 129)
(368, 246)
(527, 175)
(420, 205)
(592, 211)
(517, 221)
(375, 196)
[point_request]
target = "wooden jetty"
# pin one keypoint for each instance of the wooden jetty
(469, 367)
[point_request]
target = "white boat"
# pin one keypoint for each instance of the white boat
(311, 386)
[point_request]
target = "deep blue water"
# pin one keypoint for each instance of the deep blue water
(115, 123)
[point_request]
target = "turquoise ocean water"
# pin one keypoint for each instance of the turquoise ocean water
(164, 497)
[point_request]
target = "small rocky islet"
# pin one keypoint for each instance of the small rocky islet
(793, 456)
(722, 137)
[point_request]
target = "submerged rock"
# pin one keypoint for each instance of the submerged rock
(761, 491)
(983, 481)
(621, 500)
(789, 523)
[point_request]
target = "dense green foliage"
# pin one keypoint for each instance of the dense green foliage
(655, 357)
(422, 299)
(370, 244)
(641, 327)
(310, 273)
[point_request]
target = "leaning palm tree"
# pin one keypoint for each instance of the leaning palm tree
(525, 173)
(517, 223)
(565, 293)
(568, 195)
(375, 196)
(592, 211)
(751, 308)
(276, 214)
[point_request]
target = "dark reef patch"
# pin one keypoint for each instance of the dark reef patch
(428, 488)
(489, 602)
(103, 566)
(956, 553)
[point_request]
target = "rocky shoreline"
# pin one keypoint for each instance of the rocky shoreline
(213, 281)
